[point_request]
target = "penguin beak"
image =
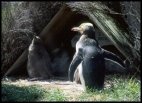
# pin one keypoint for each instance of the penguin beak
(75, 29)
(78, 29)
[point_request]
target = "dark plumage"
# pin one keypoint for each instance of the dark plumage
(39, 64)
(89, 58)
(91, 61)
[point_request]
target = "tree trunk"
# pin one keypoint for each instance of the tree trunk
(18, 65)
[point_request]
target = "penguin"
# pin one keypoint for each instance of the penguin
(110, 62)
(39, 64)
(112, 67)
(88, 58)
(113, 63)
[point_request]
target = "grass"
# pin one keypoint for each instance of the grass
(30, 93)
(117, 88)
(122, 89)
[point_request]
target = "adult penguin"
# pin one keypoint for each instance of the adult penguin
(88, 58)
(113, 63)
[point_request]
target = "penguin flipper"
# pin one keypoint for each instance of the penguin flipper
(114, 67)
(73, 66)
(112, 56)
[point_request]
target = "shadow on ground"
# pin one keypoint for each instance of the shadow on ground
(17, 93)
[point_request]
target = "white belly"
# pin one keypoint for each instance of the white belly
(81, 75)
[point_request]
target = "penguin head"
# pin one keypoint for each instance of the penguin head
(36, 40)
(85, 28)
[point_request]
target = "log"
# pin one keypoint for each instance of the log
(18, 64)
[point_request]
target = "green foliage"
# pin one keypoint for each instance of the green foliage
(54, 95)
(15, 93)
(122, 89)
(30, 93)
